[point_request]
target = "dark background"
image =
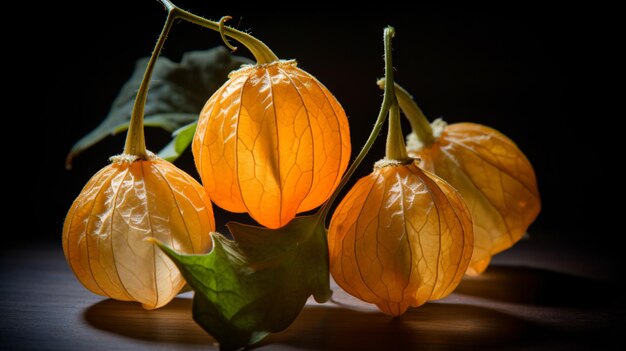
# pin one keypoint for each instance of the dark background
(527, 72)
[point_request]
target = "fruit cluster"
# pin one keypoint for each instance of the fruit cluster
(273, 142)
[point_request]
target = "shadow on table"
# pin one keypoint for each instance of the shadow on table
(327, 326)
(440, 325)
(170, 324)
(340, 327)
(535, 286)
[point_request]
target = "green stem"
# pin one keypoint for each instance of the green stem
(417, 119)
(380, 120)
(135, 139)
(261, 52)
(396, 149)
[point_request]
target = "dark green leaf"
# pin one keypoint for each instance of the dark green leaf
(181, 138)
(258, 283)
(178, 91)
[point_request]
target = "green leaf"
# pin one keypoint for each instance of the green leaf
(181, 138)
(258, 283)
(178, 91)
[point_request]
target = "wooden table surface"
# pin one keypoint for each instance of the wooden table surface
(536, 296)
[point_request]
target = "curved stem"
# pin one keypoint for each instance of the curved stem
(261, 52)
(419, 123)
(135, 140)
(380, 120)
(224, 39)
